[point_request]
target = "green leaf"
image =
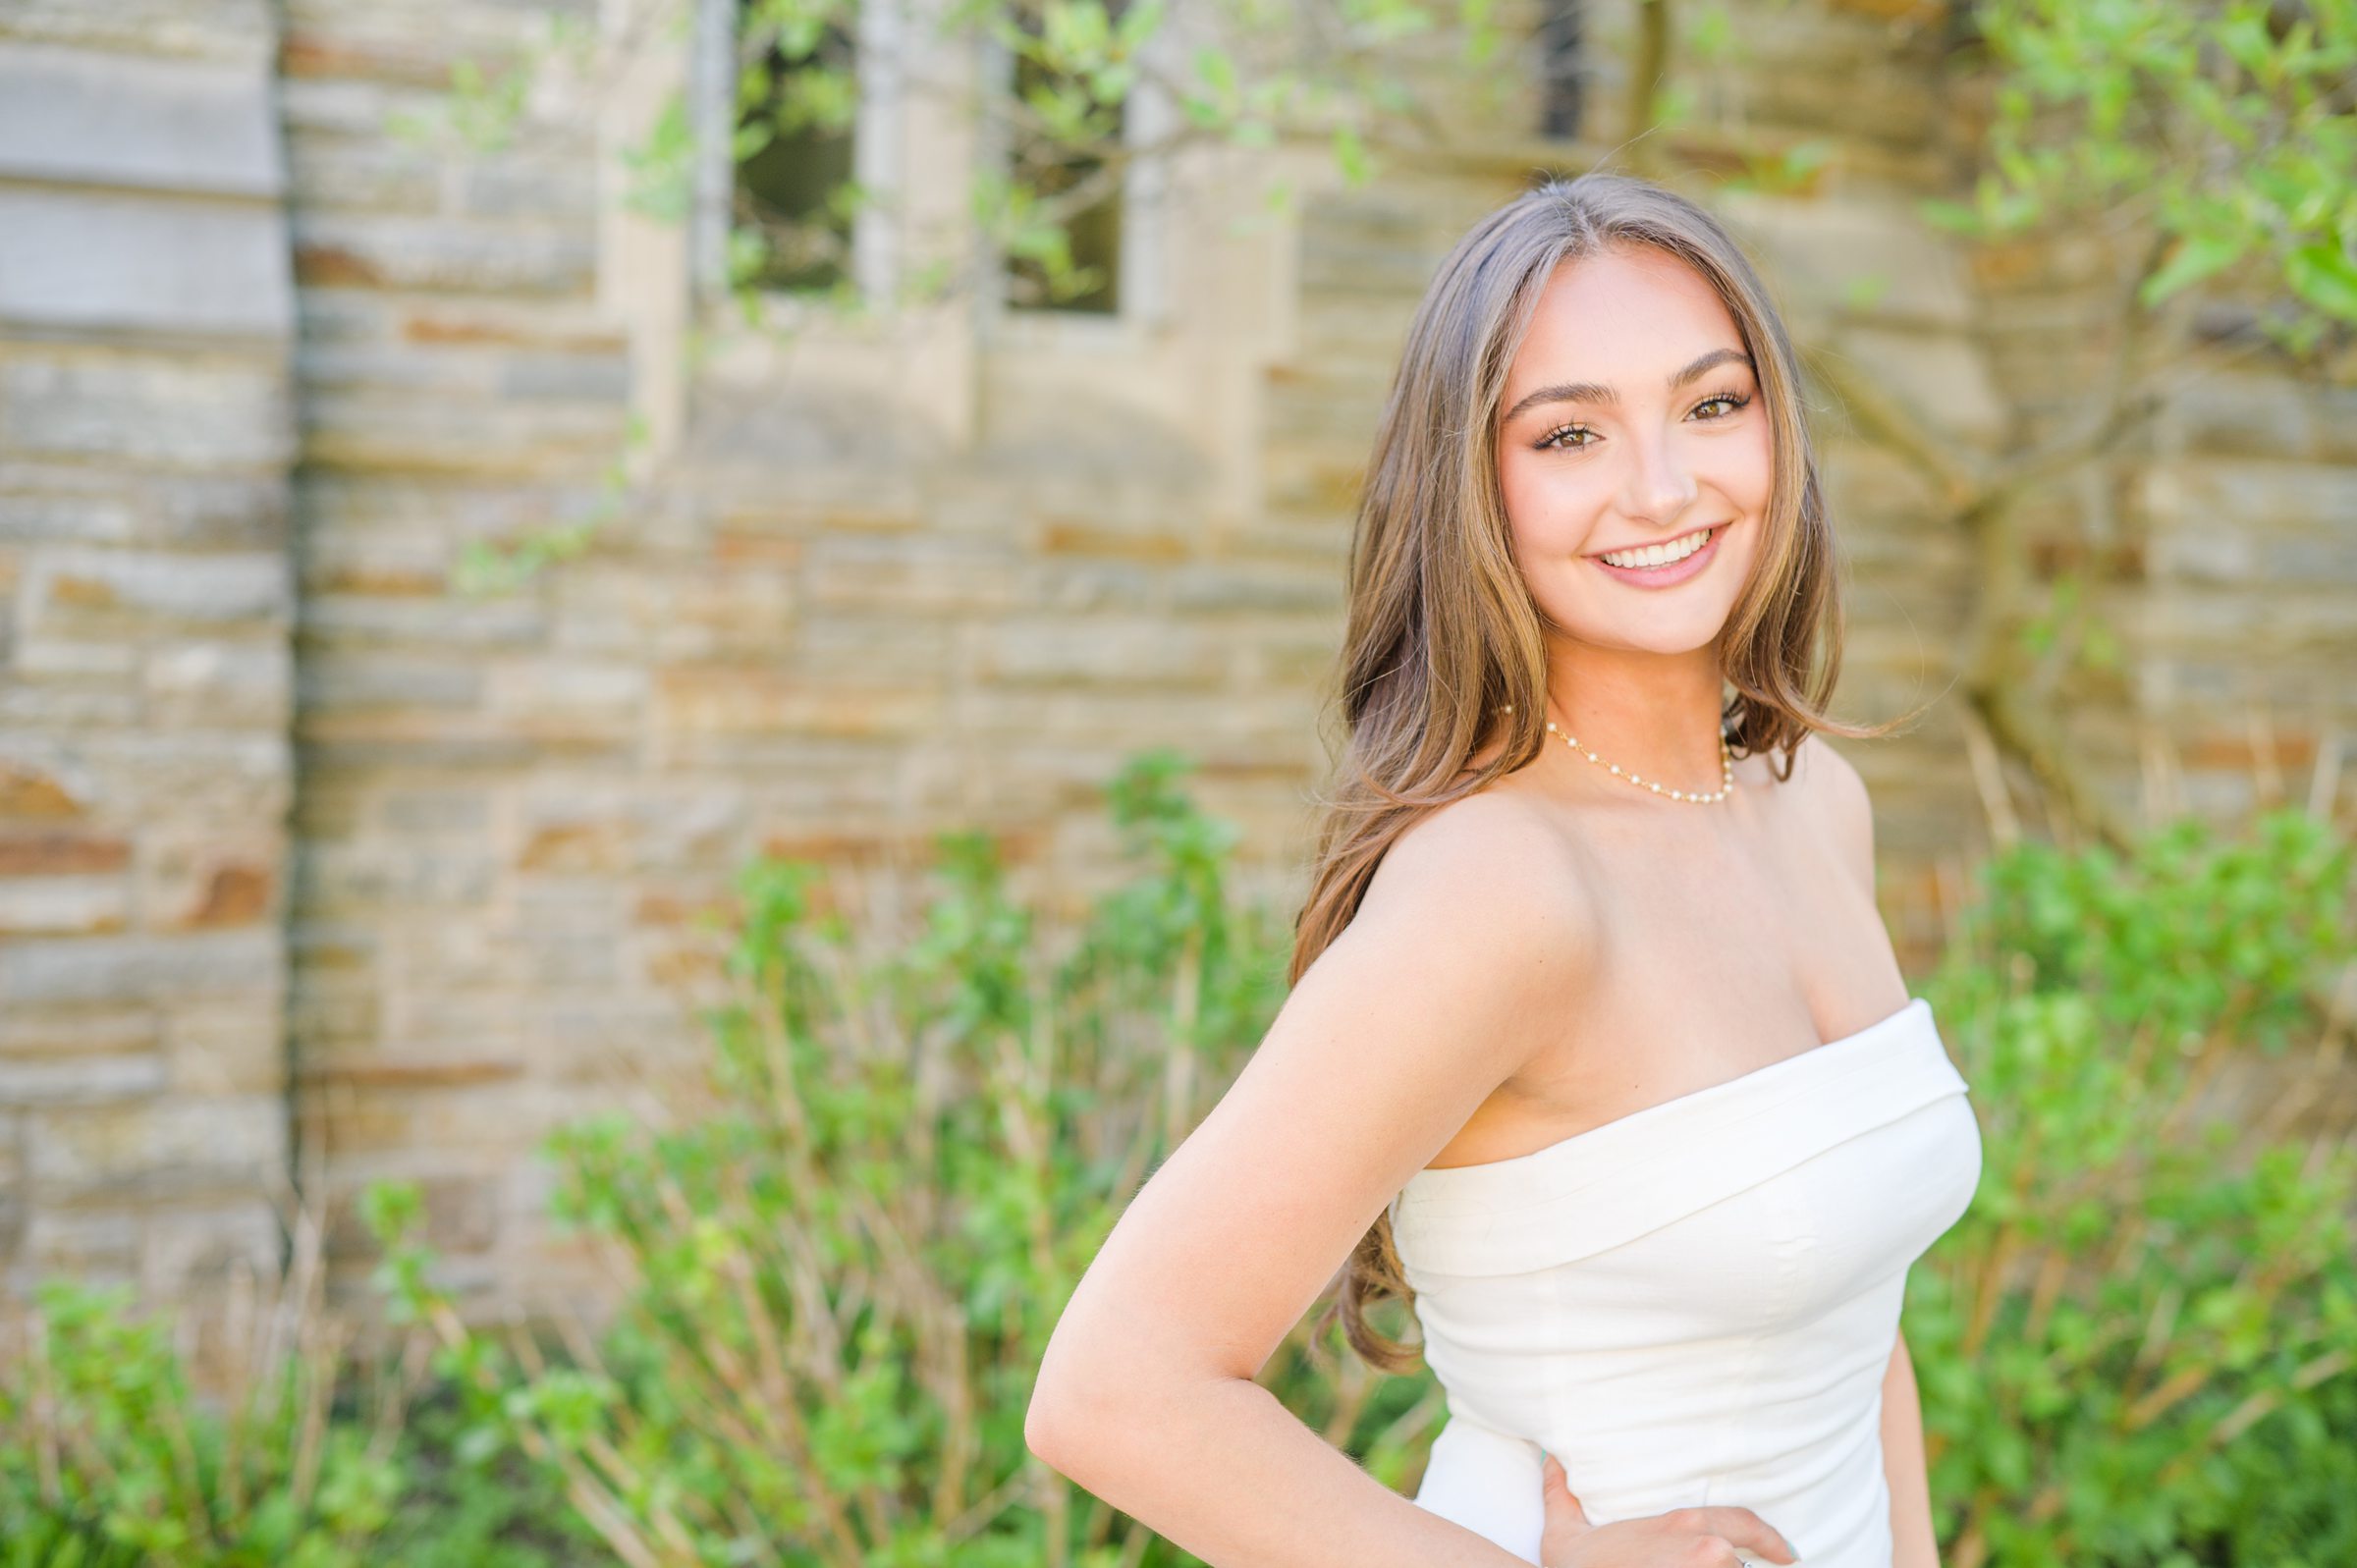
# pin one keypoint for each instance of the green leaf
(1351, 154)
(2325, 277)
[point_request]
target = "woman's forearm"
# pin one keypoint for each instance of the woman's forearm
(1914, 1544)
(1223, 1469)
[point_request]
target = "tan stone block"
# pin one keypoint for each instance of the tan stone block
(1283, 657)
(189, 1249)
(1082, 536)
(92, 661)
(354, 1074)
(65, 708)
(1096, 651)
(566, 702)
(571, 847)
(727, 610)
(1302, 480)
(693, 700)
(840, 646)
(148, 408)
(79, 1080)
(439, 253)
(229, 778)
(137, 966)
(29, 790)
(60, 905)
(228, 1046)
(220, 683)
(101, 1028)
(213, 880)
(1316, 540)
(485, 437)
(736, 547)
(685, 964)
(157, 1145)
(1078, 584)
(912, 574)
(90, 1246)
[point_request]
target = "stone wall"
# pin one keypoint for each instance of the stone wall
(866, 583)
(146, 425)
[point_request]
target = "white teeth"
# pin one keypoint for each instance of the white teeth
(1662, 555)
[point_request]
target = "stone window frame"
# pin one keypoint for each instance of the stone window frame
(876, 145)
(879, 140)
(1144, 286)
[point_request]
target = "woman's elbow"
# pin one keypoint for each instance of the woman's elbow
(1086, 1419)
(1044, 1429)
(1055, 1421)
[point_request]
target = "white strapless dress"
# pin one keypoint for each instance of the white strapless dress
(1695, 1303)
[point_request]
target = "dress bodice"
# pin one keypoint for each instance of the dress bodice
(1694, 1303)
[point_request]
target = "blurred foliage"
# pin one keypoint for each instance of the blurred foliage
(2228, 126)
(2139, 1346)
(839, 1258)
(109, 1456)
(844, 1258)
(310, 1456)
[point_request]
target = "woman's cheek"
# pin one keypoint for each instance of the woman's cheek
(1551, 517)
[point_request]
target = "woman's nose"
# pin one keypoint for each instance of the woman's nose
(1661, 485)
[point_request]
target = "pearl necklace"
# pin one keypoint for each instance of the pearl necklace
(1727, 770)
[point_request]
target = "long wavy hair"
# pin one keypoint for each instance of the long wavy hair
(1443, 650)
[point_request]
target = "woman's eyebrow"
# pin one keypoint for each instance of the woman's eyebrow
(1596, 392)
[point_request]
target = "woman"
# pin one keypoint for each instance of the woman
(1597, 1052)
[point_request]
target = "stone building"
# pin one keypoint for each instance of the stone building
(306, 851)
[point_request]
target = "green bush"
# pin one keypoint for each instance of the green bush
(300, 1453)
(843, 1261)
(107, 1460)
(2139, 1346)
(107, 1454)
(841, 1256)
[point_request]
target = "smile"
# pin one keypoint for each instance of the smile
(1666, 565)
(1659, 555)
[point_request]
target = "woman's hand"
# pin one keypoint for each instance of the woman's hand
(1656, 1540)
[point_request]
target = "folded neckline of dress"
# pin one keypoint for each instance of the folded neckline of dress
(1637, 1172)
(1438, 1177)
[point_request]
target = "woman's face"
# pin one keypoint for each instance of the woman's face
(1631, 418)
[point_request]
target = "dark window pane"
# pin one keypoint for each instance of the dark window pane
(796, 102)
(1047, 167)
(1560, 76)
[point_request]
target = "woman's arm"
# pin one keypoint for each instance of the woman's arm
(1470, 943)
(1226, 1471)
(1912, 1543)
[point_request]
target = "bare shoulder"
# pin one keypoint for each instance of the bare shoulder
(1838, 800)
(1495, 870)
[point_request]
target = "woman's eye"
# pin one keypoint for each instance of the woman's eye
(1557, 439)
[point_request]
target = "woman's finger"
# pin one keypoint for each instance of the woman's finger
(1747, 1532)
(1551, 1473)
(1566, 1523)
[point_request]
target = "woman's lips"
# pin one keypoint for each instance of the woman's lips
(1675, 572)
